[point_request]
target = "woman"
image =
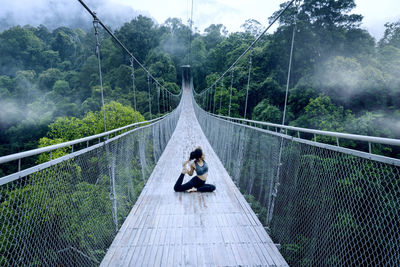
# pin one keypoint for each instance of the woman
(197, 183)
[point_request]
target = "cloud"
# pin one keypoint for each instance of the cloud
(54, 13)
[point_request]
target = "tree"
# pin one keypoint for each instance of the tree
(161, 66)
(139, 35)
(389, 58)
(70, 128)
(47, 79)
(61, 87)
(264, 111)
(215, 33)
(19, 49)
(391, 35)
(322, 114)
(322, 13)
(198, 62)
(25, 90)
(63, 42)
(252, 27)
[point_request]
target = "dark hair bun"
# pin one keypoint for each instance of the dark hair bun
(196, 154)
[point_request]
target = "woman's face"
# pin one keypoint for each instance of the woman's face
(202, 156)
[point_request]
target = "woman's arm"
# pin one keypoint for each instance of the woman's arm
(192, 168)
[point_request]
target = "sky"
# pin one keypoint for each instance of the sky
(231, 13)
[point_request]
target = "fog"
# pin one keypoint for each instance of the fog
(68, 13)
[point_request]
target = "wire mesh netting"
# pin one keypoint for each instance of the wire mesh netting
(325, 207)
(69, 213)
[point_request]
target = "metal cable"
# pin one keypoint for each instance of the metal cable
(190, 36)
(215, 92)
(230, 93)
(248, 85)
(158, 99)
(248, 48)
(96, 25)
(123, 46)
(276, 181)
(220, 97)
(148, 85)
(134, 88)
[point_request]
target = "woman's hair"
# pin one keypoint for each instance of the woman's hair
(196, 154)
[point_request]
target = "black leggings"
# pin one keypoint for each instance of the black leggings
(194, 182)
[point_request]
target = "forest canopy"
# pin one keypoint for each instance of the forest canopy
(342, 78)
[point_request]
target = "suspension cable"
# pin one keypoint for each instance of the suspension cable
(209, 98)
(169, 101)
(214, 97)
(190, 36)
(248, 83)
(148, 85)
(289, 69)
(249, 47)
(220, 97)
(276, 180)
(134, 88)
(158, 99)
(230, 93)
(123, 46)
(205, 102)
(162, 101)
(96, 33)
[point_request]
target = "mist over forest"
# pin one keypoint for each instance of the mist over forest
(71, 14)
(342, 78)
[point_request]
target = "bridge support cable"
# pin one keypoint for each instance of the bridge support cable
(110, 162)
(113, 193)
(96, 33)
(247, 49)
(93, 14)
(220, 97)
(214, 98)
(134, 88)
(276, 182)
(248, 84)
(158, 99)
(204, 102)
(230, 92)
(209, 93)
(149, 87)
(190, 36)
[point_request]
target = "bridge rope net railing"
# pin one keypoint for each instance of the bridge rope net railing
(327, 206)
(66, 212)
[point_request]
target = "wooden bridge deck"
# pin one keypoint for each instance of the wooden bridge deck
(166, 228)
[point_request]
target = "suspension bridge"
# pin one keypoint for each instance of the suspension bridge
(282, 197)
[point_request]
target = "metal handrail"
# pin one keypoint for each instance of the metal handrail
(41, 150)
(370, 139)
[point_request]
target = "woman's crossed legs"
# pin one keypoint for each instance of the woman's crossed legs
(195, 182)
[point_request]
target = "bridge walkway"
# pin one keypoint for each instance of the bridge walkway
(166, 228)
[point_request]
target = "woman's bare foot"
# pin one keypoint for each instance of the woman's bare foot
(193, 189)
(185, 162)
(184, 169)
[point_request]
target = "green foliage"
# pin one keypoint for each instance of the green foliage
(264, 111)
(139, 35)
(392, 35)
(45, 75)
(322, 114)
(70, 128)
